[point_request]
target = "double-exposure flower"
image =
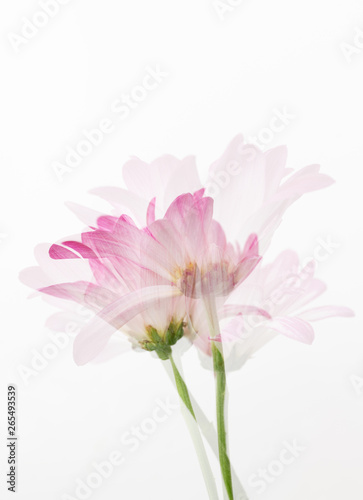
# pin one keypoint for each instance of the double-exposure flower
(251, 189)
(281, 292)
(163, 245)
(185, 254)
(178, 259)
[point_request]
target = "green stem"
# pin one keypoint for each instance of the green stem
(182, 388)
(210, 435)
(220, 374)
(220, 380)
(194, 432)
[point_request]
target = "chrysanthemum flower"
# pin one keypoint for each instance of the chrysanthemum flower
(175, 249)
(137, 269)
(282, 291)
(175, 258)
(251, 189)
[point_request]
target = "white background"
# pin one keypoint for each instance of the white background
(225, 75)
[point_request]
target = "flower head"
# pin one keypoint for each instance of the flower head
(276, 298)
(166, 245)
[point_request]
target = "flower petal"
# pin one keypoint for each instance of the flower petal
(59, 252)
(236, 309)
(294, 328)
(150, 215)
(94, 337)
(82, 249)
(82, 292)
(318, 313)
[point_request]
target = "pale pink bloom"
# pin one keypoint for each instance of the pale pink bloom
(283, 291)
(251, 189)
(154, 271)
(86, 306)
(190, 250)
(175, 247)
(111, 292)
(150, 188)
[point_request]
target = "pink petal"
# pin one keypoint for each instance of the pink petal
(185, 179)
(307, 292)
(275, 168)
(84, 214)
(82, 249)
(285, 264)
(128, 243)
(82, 292)
(294, 328)
(164, 232)
(150, 215)
(107, 222)
(141, 247)
(106, 275)
(245, 268)
(251, 247)
(165, 178)
(304, 180)
(229, 183)
(34, 277)
(124, 201)
(149, 179)
(217, 236)
(179, 208)
(58, 252)
(234, 310)
(63, 320)
(318, 313)
(191, 216)
(196, 226)
(225, 336)
(94, 337)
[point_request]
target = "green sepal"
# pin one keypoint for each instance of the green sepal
(162, 345)
(148, 346)
(174, 333)
(170, 335)
(179, 332)
(163, 351)
(153, 334)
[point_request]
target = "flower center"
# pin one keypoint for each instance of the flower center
(216, 278)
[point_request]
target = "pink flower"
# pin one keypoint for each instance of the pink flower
(173, 251)
(281, 291)
(140, 269)
(251, 189)
(187, 248)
